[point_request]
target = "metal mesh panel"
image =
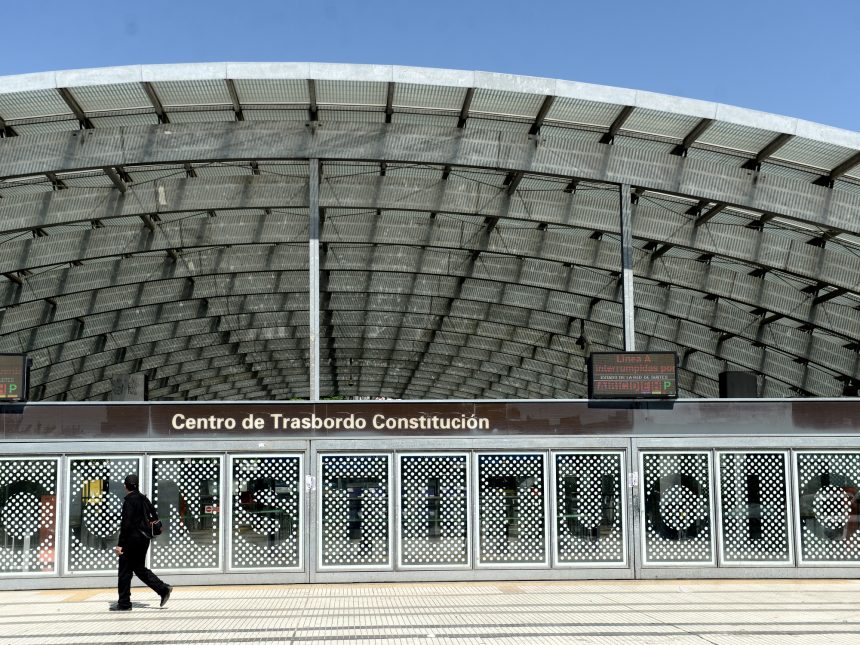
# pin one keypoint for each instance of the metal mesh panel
(284, 169)
(754, 508)
(354, 511)
(352, 116)
(816, 154)
(93, 179)
(790, 173)
(44, 127)
(95, 507)
(589, 508)
(585, 112)
(25, 187)
(125, 120)
(661, 124)
(511, 509)
(200, 116)
(199, 92)
(122, 96)
(828, 515)
(33, 104)
(223, 170)
(507, 103)
(434, 512)
(265, 512)
(677, 505)
(643, 144)
(562, 134)
(499, 125)
(736, 137)
(408, 95)
(272, 91)
(436, 120)
(28, 516)
(186, 494)
(144, 174)
(351, 93)
(276, 115)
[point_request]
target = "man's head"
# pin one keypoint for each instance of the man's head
(131, 483)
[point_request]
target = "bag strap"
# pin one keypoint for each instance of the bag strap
(151, 514)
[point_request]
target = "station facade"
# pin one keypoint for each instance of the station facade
(427, 258)
(341, 491)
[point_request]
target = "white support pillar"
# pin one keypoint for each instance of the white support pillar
(627, 269)
(314, 278)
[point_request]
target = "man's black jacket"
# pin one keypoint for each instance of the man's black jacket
(137, 512)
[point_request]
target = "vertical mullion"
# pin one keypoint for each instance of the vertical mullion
(627, 268)
(313, 279)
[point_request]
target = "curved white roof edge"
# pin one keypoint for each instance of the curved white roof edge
(433, 76)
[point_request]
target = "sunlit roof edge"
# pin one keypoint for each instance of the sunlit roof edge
(438, 77)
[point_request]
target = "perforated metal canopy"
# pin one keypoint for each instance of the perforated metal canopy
(272, 231)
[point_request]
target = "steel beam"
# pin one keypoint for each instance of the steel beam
(314, 278)
(838, 171)
(627, 268)
(389, 102)
(154, 99)
(695, 337)
(617, 124)
(589, 211)
(398, 143)
(313, 108)
(80, 115)
(704, 217)
(113, 175)
(234, 98)
(830, 295)
(692, 136)
(6, 130)
(657, 301)
(464, 109)
(541, 115)
(709, 279)
(765, 153)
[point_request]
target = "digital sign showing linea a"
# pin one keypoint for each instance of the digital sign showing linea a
(633, 375)
(13, 377)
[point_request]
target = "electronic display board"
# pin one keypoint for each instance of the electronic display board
(633, 375)
(13, 377)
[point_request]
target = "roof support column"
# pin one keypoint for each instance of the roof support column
(314, 278)
(627, 268)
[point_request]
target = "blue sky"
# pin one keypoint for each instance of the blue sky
(792, 57)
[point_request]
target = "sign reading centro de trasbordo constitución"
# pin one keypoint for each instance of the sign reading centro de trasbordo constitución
(633, 375)
(278, 421)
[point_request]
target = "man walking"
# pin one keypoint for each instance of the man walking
(133, 543)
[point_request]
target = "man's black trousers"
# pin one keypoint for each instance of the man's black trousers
(133, 562)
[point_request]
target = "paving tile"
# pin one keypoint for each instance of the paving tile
(497, 613)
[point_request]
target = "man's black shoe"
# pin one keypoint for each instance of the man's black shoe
(165, 596)
(118, 607)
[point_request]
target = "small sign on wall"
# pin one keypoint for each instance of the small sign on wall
(129, 387)
(14, 370)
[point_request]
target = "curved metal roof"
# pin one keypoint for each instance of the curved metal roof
(162, 219)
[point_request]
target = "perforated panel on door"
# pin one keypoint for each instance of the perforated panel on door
(589, 505)
(677, 508)
(266, 502)
(96, 494)
(186, 493)
(754, 508)
(434, 513)
(828, 493)
(28, 516)
(354, 513)
(511, 509)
